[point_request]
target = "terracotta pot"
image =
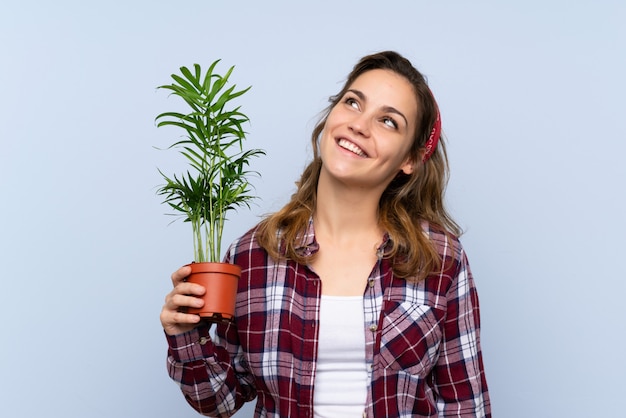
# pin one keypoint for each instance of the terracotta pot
(220, 281)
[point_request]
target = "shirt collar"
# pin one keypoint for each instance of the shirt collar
(309, 245)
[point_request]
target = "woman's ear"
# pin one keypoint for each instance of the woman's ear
(408, 166)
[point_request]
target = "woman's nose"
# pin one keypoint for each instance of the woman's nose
(360, 124)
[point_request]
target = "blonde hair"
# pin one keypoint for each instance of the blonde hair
(407, 202)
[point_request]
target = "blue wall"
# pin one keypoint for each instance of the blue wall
(532, 99)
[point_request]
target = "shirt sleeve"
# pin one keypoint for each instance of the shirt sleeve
(458, 377)
(214, 379)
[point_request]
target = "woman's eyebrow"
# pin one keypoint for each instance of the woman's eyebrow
(389, 109)
(359, 93)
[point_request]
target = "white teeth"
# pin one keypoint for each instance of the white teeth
(345, 144)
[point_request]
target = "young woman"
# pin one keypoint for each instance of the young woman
(356, 299)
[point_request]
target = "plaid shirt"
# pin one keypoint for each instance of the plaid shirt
(422, 341)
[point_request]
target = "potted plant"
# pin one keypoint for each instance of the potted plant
(216, 181)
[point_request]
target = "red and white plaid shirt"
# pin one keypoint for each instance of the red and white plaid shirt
(422, 341)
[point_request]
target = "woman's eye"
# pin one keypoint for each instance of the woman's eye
(352, 102)
(390, 122)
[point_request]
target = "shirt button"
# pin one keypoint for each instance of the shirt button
(373, 327)
(372, 282)
(203, 340)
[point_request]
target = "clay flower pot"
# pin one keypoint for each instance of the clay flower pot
(220, 281)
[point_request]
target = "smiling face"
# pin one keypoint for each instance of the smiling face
(369, 132)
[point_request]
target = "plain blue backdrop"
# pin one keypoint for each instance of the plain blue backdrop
(532, 100)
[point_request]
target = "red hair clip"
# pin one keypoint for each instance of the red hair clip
(433, 139)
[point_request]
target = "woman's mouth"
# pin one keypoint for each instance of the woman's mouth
(352, 147)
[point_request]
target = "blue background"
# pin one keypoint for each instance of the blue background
(532, 100)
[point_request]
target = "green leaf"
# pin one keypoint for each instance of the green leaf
(213, 148)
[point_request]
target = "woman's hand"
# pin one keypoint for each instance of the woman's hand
(183, 295)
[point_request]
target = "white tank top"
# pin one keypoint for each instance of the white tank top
(341, 380)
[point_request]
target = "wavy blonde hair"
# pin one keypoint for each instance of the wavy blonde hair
(407, 202)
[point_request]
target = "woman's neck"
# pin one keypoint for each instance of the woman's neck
(344, 213)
